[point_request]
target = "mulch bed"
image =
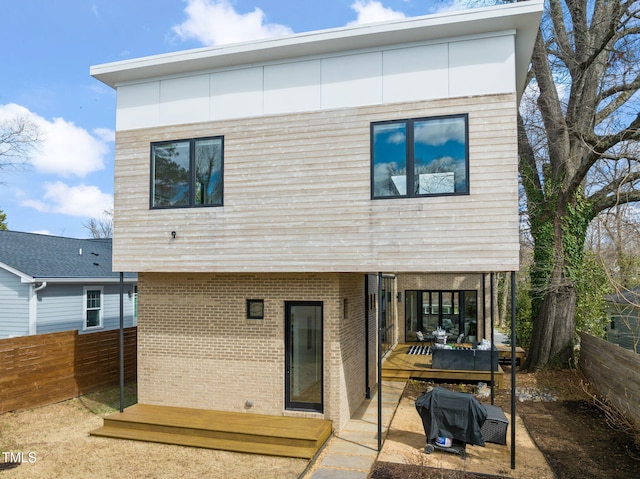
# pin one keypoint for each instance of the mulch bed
(388, 470)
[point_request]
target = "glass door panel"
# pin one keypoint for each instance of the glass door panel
(451, 313)
(430, 312)
(303, 361)
(411, 315)
(471, 315)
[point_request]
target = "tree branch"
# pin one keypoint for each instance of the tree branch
(528, 170)
(562, 39)
(610, 195)
(627, 90)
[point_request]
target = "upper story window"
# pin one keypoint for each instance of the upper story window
(420, 157)
(187, 173)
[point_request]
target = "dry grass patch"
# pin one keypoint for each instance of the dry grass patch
(57, 436)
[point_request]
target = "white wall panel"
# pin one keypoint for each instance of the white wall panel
(237, 93)
(417, 73)
(184, 100)
(475, 66)
(352, 80)
(482, 66)
(137, 106)
(292, 87)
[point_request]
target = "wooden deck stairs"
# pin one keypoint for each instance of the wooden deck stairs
(239, 432)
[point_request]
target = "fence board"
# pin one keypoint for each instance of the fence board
(48, 368)
(614, 372)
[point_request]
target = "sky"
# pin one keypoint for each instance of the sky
(47, 48)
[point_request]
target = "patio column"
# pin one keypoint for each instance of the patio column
(513, 370)
(380, 300)
(121, 342)
(492, 354)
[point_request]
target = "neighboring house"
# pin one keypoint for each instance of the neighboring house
(261, 187)
(50, 284)
(624, 326)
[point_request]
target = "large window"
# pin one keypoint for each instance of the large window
(187, 173)
(92, 307)
(420, 157)
(454, 311)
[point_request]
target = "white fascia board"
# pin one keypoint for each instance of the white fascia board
(84, 280)
(24, 277)
(523, 17)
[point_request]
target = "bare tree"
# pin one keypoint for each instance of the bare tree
(101, 227)
(19, 137)
(586, 75)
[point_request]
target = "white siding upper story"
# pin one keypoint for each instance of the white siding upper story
(296, 115)
(455, 68)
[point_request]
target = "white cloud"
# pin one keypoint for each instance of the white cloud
(66, 149)
(438, 132)
(371, 11)
(215, 22)
(82, 200)
(397, 138)
(105, 134)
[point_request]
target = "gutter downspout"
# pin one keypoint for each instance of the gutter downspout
(33, 306)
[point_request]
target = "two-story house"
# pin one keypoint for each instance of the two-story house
(261, 187)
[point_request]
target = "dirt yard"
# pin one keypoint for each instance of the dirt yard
(53, 442)
(570, 431)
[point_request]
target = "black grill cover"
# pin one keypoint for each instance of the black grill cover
(452, 414)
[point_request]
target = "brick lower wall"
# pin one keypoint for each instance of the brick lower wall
(197, 349)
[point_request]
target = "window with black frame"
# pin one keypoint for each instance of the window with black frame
(187, 173)
(420, 157)
(454, 311)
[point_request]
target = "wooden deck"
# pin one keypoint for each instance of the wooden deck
(239, 432)
(504, 353)
(399, 366)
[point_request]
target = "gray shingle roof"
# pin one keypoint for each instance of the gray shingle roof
(44, 256)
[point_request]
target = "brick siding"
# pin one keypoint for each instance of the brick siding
(197, 349)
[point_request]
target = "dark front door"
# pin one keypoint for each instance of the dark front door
(303, 360)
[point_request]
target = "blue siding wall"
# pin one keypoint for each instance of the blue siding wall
(624, 327)
(60, 307)
(14, 306)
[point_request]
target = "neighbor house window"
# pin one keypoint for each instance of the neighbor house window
(420, 157)
(92, 307)
(187, 173)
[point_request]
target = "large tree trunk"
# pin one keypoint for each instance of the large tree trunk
(553, 332)
(504, 299)
(558, 254)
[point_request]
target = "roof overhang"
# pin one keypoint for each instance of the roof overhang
(87, 280)
(521, 17)
(24, 277)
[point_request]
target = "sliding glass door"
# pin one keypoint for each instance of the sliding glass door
(453, 311)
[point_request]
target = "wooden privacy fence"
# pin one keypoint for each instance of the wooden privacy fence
(614, 372)
(48, 368)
